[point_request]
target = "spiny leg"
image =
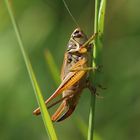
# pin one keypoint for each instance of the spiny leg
(58, 112)
(67, 113)
(37, 111)
(93, 89)
(60, 100)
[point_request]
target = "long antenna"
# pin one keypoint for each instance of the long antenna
(65, 4)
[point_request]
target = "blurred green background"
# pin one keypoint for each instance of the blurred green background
(46, 24)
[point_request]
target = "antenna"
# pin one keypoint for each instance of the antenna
(65, 4)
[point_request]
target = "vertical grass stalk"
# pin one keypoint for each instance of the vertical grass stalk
(97, 51)
(45, 115)
(52, 66)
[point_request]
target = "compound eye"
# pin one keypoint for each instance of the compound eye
(77, 34)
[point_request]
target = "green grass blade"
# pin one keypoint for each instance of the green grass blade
(93, 98)
(45, 115)
(98, 44)
(52, 66)
(81, 125)
(101, 17)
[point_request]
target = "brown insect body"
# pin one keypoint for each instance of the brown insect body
(71, 59)
(74, 75)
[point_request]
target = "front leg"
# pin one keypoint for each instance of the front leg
(90, 40)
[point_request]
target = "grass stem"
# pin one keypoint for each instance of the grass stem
(98, 44)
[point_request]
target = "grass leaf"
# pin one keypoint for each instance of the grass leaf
(45, 115)
(52, 66)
